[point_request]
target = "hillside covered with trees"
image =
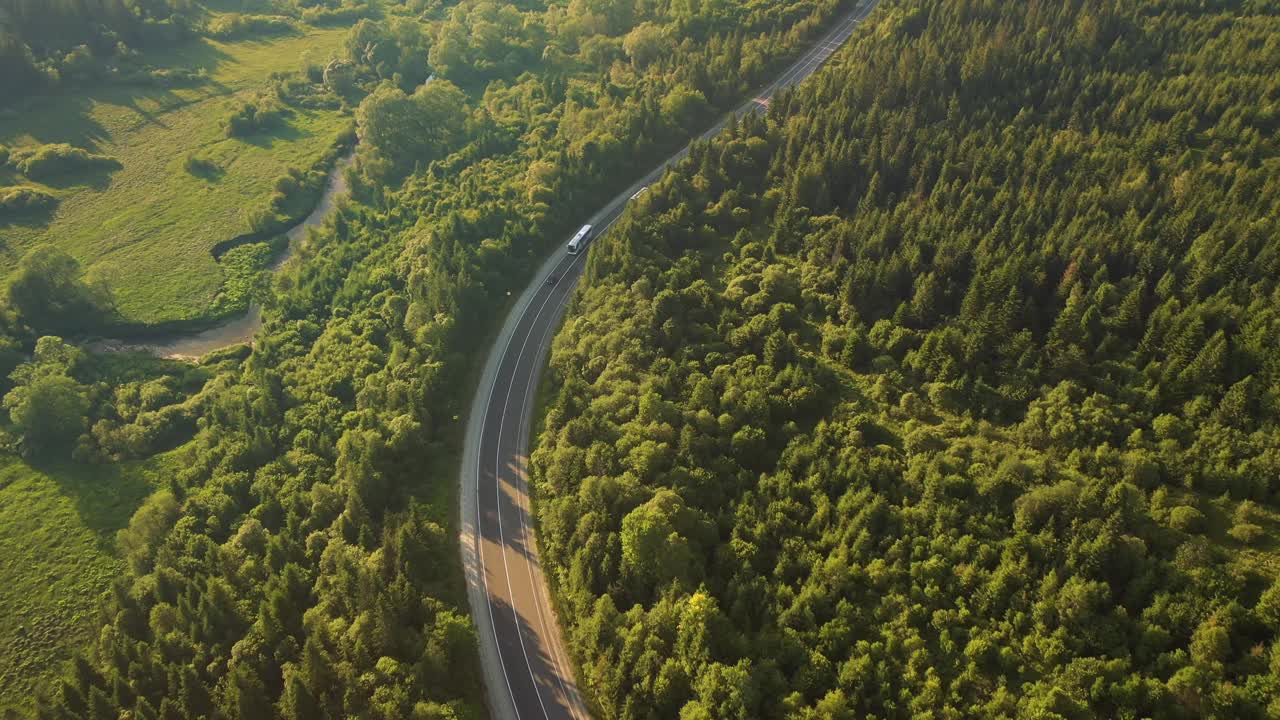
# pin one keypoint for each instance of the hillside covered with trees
(302, 564)
(949, 389)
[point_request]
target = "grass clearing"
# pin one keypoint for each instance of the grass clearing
(147, 228)
(57, 557)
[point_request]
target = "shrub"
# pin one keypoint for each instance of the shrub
(48, 161)
(50, 295)
(147, 528)
(1268, 608)
(296, 191)
(230, 355)
(49, 411)
(14, 200)
(260, 220)
(80, 65)
(1186, 518)
(1246, 533)
(201, 166)
(242, 269)
(252, 118)
(164, 77)
(299, 91)
(347, 14)
(235, 25)
(1246, 512)
(152, 431)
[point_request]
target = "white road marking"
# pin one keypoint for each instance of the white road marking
(502, 421)
(800, 70)
(484, 575)
(572, 699)
(497, 489)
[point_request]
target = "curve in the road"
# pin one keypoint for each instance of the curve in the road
(528, 675)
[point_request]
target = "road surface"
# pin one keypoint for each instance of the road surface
(527, 671)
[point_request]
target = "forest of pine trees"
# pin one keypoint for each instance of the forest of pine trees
(303, 564)
(951, 388)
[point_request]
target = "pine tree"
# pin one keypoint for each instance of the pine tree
(246, 696)
(297, 702)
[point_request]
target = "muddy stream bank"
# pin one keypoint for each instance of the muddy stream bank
(189, 345)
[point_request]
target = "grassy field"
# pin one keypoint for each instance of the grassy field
(57, 557)
(147, 228)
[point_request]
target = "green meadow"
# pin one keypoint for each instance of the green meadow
(57, 558)
(147, 228)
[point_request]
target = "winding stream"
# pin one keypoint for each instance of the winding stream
(241, 328)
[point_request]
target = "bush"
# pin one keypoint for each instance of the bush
(242, 269)
(14, 200)
(51, 297)
(1246, 512)
(297, 90)
(49, 412)
(1267, 610)
(147, 528)
(151, 432)
(201, 166)
(48, 161)
(250, 118)
(296, 191)
(260, 220)
(1246, 533)
(1186, 518)
(164, 77)
(235, 25)
(80, 65)
(231, 355)
(320, 15)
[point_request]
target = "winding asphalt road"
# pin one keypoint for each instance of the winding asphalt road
(528, 675)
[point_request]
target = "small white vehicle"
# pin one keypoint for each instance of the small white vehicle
(580, 240)
(640, 192)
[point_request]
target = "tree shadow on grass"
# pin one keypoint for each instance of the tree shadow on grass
(281, 131)
(163, 100)
(198, 55)
(105, 495)
(74, 106)
(75, 124)
(193, 57)
(166, 104)
(205, 169)
(97, 177)
(30, 219)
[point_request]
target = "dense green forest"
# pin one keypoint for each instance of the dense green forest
(303, 563)
(949, 389)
